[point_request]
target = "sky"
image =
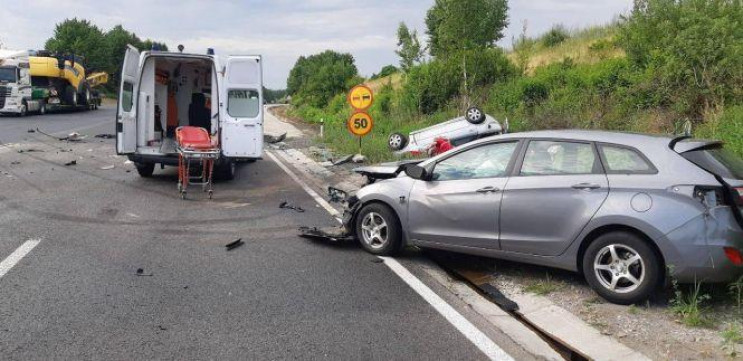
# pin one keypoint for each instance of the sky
(279, 30)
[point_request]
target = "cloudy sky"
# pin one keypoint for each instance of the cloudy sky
(280, 30)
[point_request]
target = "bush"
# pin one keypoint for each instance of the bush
(555, 36)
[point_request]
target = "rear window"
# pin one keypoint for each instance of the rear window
(719, 161)
(623, 160)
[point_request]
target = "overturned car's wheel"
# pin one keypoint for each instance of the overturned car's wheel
(622, 268)
(397, 141)
(475, 115)
(379, 230)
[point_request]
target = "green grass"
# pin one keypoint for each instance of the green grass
(544, 286)
(689, 306)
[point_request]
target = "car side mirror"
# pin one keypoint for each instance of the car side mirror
(416, 172)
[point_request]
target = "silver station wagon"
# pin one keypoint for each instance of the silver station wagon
(625, 210)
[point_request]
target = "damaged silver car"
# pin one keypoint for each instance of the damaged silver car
(625, 210)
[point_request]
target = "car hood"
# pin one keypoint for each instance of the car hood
(385, 170)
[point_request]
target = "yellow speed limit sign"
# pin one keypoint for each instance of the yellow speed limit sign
(361, 97)
(360, 124)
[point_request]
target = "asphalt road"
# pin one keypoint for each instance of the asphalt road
(77, 294)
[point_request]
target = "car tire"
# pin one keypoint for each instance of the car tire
(475, 115)
(611, 259)
(24, 110)
(385, 239)
(145, 170)
(71, 96)
(397, 141)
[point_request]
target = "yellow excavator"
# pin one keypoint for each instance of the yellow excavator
(42, 82)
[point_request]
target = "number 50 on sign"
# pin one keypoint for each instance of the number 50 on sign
(360, 124)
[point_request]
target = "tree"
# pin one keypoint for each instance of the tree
(81, 38)
(455, 25)
(315, 79)
(693, 50)
(387, 70)
(409, 47)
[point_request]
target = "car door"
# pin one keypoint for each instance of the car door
(241, 107)
(126, 117)
(558, 188)
(459, 205)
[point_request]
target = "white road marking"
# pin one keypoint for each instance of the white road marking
(472, 333)
(322, 202)
(17, 255)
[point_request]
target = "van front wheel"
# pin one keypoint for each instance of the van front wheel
(145, 170)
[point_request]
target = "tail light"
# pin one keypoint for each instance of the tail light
(734, 255)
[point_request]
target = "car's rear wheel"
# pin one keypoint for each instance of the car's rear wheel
(397, 141)
(474, 115)
(622, 268)
(379, 230)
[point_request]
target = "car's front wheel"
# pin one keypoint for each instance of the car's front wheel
(622, 268)
(379, 230)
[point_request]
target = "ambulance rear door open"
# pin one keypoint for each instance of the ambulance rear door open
(126, 114)
(241, 107)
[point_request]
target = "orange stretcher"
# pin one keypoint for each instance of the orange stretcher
(195, 145)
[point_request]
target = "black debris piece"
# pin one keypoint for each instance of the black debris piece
(273, 139)
(377, 260)
(140, 272)
(162, 328)
(343, 160)
(31, 131)
(498, 298)
(30, 150)
(287, 205)
(106, 136)
(72, 162)
(333, 234)
(15, 162)
(234, 244)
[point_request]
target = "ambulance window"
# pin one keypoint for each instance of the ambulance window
(127, 96)
(243, 103)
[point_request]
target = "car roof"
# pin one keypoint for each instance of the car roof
(622, 138)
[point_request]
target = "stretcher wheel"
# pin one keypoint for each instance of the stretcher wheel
(183, 195)
(211, 193)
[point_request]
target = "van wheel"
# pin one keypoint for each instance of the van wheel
(145, 170)
(622, 268)
(227, 170)
(24, 110)
(474, 115)
(379, 230)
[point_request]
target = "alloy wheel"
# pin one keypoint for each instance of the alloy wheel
(375, 231)
(395, 141)
(474, 114)
(619, 268)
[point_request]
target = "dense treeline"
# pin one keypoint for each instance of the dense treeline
(102, 51)
(664, 63)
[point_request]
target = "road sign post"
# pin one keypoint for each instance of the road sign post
(360, 124)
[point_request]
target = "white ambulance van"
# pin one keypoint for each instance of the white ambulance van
(161, 91)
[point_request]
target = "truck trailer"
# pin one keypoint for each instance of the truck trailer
(44, 83)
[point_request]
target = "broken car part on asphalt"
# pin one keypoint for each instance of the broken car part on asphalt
(287, 205)
(230, 246)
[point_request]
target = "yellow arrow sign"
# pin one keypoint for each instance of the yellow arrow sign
(361, 97)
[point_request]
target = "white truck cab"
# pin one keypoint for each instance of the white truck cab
(161, 91)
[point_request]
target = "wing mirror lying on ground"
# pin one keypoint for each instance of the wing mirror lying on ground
(416, 172)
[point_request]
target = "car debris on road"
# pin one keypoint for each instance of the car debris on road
(287, 205)
(230, 246)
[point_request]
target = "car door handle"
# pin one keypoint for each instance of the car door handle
(488, 190)
(586, 186)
